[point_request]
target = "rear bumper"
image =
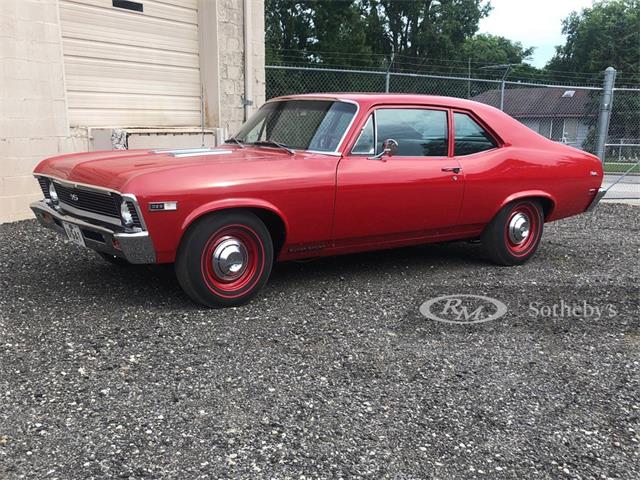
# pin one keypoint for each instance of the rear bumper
(596, 199)
(134, 247)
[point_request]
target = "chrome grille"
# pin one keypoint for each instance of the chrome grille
(89, 201)
(44, 185)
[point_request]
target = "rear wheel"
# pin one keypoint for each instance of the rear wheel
(513, 236)
(225, 259)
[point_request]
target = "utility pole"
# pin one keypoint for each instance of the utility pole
(606, 102)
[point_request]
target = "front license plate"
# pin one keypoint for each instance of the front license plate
(74, 233)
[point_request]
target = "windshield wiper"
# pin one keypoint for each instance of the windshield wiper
(273, 143)
(235, 140)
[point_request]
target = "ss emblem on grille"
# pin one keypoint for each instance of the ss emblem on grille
(74, 197)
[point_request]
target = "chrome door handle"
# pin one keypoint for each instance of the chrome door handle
(451, 169)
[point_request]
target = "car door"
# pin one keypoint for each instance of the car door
(415, 192)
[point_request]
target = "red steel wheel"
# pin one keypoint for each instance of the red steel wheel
(521, 229)
(514, 234)
(230, 260)
(224, 259)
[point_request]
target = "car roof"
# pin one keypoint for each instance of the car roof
(506, 128)
(364, 98)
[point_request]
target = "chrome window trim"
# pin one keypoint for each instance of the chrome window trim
(371, 117)
(339, 149)
(378, 108)
(375, 131)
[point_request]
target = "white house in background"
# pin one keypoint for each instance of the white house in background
(560, 114)
(93, 74)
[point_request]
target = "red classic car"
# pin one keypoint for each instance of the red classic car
(317, 175)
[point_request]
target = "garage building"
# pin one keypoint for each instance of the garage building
(97, 74)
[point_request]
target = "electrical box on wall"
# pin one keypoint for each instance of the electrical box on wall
(101, 138)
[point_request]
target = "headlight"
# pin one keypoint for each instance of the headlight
(53, 195)
(125, 214)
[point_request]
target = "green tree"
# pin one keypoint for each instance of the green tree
(428, 28)
(607, 34)
(289, 29)
(340, 34)
(494, 49)
(363, 30)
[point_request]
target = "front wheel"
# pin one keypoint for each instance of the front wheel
(225, 259)
(514, 234)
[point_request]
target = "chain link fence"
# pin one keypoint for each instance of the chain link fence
(563, 113)
(622, 150)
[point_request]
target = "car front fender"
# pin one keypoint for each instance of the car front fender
(230, 204)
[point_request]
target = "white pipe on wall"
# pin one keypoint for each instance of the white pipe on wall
(248, 60)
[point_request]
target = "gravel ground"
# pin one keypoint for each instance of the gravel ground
(331, 372)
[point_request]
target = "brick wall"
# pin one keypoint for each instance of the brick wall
(33, 112)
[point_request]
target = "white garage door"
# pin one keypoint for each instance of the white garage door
(126, 68)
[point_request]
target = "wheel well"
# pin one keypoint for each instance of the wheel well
(547, 205)
(275, 225)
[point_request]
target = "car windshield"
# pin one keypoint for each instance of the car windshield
(316, 125)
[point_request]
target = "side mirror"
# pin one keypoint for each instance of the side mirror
(389, 148)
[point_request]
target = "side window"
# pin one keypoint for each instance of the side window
(470, 137)
(364, 145)
(419, 132)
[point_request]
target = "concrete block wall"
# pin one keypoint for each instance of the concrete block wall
(33, 110)
(257, 50)
(231, 24)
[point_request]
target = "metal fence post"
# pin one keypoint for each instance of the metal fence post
(388, 75)
(606, 102)
(503, 85)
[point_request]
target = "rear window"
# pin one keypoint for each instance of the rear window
(470, 137)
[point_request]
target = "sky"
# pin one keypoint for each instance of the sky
(534, 23)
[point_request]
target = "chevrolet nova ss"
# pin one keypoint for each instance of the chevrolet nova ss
(318, 175)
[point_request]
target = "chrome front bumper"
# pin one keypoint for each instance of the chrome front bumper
(596, 199)
(134, 247)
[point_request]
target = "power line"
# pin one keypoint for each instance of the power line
(411, 60)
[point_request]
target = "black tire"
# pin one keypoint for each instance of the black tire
(112, 259)
(502, 237)
(234, 278)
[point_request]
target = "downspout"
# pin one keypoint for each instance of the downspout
(247, 100)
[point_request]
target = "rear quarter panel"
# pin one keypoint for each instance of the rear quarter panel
(563, 175)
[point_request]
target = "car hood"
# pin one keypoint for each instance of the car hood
(114, 169)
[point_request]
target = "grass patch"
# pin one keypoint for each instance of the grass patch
(620, 167)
